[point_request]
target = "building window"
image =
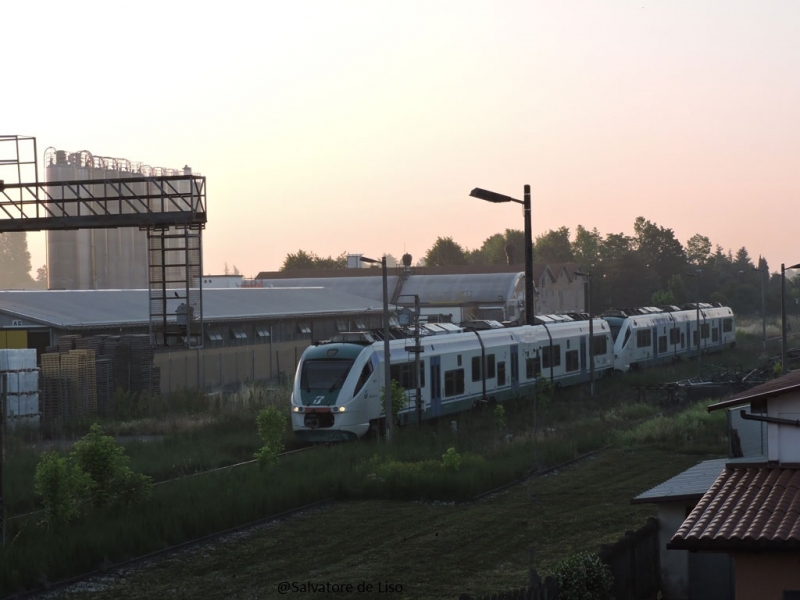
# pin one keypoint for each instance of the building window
(238, 333)
(213, 336)
(304, 328)
(262, 332)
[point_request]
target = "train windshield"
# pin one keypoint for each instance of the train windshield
(327, 374)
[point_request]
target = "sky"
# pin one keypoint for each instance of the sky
(361, 126)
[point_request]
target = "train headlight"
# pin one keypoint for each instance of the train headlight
(298, 409)
(339, 409)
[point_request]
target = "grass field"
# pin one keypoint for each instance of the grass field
(400, 524)
(431, 550)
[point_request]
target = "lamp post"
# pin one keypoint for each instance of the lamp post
(762, 273)
(591, 330)
(482, 194)
(783, 314)
(696, 275)
(387, 380)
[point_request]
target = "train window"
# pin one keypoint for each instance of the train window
(727, 325)
(643, 339)
(674, 336)
(704, 330)
(572, 360)
(476, 368)
(533, 367)
(551, 356)
(364, 377)
(662, 343)
(489, 366)
(715, 335)
(458, 360)
(694, 337)
(501, 373)
(324, 374)
(599, 345)
(627, 337)
(403, 374)
(453, 382)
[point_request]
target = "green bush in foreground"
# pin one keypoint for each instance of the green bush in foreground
(96, 474)
(271, 425)
(583, 577)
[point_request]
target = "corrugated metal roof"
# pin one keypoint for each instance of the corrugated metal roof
(93, 308)
(746, 508)
(458, 289)
(691, 484)
(365, 287)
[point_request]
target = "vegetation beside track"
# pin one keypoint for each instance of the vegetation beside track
(493, 452)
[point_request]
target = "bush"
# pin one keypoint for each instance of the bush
(399, 400)
(63, 487)
(105, 462)
(271, 425)
(583, 577)
(451, 459)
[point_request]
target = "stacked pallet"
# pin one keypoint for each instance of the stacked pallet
(81, 377)
(18, 371)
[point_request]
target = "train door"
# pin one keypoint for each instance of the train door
(655, 341)
(583, 355)
(436, 386)
(514, 368)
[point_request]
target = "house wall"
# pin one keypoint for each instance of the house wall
(784, 440)
(674, 563)
(766, 576)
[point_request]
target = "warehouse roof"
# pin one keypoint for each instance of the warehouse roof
(93, 308)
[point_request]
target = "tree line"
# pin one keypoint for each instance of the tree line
(649, 268)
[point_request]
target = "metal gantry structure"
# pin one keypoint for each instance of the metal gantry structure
(170, 208)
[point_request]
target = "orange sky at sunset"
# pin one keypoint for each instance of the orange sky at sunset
(361, 127)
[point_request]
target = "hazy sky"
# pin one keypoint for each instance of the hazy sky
(349, 126)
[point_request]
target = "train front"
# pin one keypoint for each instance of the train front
(331, 398)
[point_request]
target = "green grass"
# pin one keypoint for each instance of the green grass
(204, 433)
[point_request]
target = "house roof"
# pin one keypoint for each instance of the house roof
(776, 387)
(747, 508)
(689, 485)
(104, 308)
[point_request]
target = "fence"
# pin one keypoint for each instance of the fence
(633, 560)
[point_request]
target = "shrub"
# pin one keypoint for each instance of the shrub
(500, 417)
(271, 425)
(399, 400)
(63, 487)
(106, 464)
(451, 459)
(583, 577)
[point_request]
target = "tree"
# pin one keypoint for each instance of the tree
(659, 249)
(16, 261)
(586, 247)
(500, 249)
(445, 253)
(308, 260)
(698, 250)
(41, 274)
(554, 246)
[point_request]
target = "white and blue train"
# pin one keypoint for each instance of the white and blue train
(338, 385)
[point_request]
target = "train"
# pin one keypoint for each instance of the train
(338, 386)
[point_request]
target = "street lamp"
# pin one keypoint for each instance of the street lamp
(762, 271)
(591, 331)
(783, 314)
(482, 194)
(387, 380)
(696, 275)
